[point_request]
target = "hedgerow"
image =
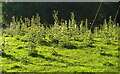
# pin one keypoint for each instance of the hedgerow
(62, 32)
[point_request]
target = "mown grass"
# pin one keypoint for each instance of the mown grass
(100, 58)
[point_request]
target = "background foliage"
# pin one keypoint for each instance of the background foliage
(83, 10)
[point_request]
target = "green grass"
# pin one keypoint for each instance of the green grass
(100, 58)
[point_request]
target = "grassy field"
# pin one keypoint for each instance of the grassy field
(100, 57)
(33, 48)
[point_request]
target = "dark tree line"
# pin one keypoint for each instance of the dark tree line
(45, 10)
(118, 15)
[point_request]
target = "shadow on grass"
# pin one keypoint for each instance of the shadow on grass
(46, 43)
(4, 55)
(105, 54)
(52, 59)
(58, 55)
(70, 46)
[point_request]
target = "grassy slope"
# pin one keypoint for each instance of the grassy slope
(87, 59)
